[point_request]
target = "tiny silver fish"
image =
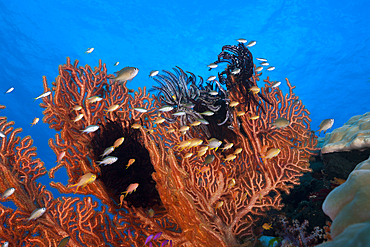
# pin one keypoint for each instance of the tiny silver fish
(116, 63)
(241, 40)
(2, 134)
(179, 113)
(153, 73)
(276, 84)
(259, 68)
(212, 65)
(207, 113)
(211, 78)
(252, 43)
(107, 151)
(108, 160)
(235, 71)
(271, 68)
(10, 90)
(261, 59)
(203, 121)
(37, 213)
(165, 108)
(43, 95)
(5, 244)
(89, 50)
(140, 109)
(213, 93)
(264, 63)
(90, 128)
(7, 193)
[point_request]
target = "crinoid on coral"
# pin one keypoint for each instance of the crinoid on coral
(237, 76)
(203, 103)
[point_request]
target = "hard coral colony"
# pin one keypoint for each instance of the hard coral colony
(165, 194)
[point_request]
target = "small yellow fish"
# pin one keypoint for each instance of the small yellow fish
(184, 129)
(254, 89)
(204, 169)
(130, 162)
(131, 188)
(170, 130)
(116, 63)
(232, 183)
(84, 180)
(238, 151)
(219, 204)
(195, 123)
(35, 121)
(76, 108)
(118, 142)
(112, 108)
(228, 146)
(151, 213)
(271, 153)
(267, 226)
(203, 149)
(253, 117)
(195, 142)
(187, 155)
(136, 126)
(184, 144)
(230, 157)
(201, 153)
(233, 104)
(240, 113)
(78, 117)
(93, 99)
(159, 120)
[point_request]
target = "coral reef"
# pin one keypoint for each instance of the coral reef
(214, 197)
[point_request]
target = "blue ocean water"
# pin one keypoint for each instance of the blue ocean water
(320, 46)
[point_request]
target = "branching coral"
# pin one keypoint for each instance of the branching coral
(197, 202)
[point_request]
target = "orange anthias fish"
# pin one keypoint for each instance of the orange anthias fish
(271, 153)
(130, 162)
(121, 200)
(35, 121)
(131, 188)
(267, 226)
(61, 156)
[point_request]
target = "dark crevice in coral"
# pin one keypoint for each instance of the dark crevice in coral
(116, 177)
